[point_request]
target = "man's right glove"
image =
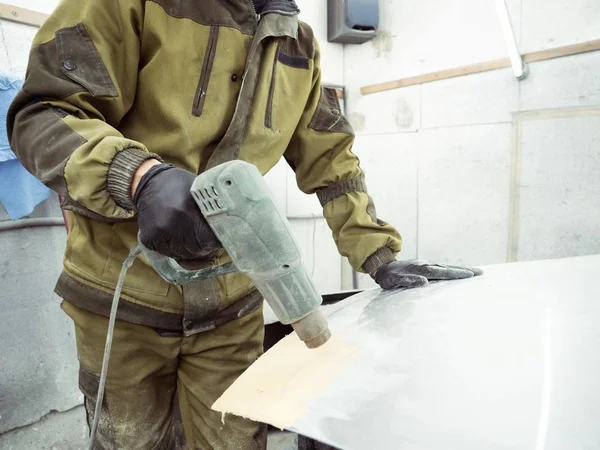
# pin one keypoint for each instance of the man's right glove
(170, 222)
(412, 274)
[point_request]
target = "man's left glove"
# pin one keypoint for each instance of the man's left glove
(170, 222)
(411, 274)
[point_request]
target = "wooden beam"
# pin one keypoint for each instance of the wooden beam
(567, 50)
(22, 15)
(486, 66)
(434, 76)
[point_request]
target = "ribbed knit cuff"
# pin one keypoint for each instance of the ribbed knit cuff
(380, 258)
(121, 172)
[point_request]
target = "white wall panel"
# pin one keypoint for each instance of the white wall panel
(464, 194)
(43, 6)
(320, 254)
(429, 35)
(18, 44)
(489, 97)
(553, 23)
(390, 164)
(564, 82)
(560, 187)
(396, 111)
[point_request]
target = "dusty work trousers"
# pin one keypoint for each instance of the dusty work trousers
(145, 372)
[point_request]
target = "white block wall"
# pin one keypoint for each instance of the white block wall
(489, 169)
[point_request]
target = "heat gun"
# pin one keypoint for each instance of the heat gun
(238, 206)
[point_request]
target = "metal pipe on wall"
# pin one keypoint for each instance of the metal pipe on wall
(22, 224)
(518, 66)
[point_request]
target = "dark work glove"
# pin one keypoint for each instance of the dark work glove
(170, 222)
(411, 274)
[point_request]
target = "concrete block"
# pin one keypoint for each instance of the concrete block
(453, 34)
(372, 61)
(48, 208)
(43, 6)
(488, 97)
(288, 197)
(38, 356)
(554, 23)
(18, 42)
(393, 54)
(395, 111)
(559, 196)
(365, 281)
(56, 431)
(464, 194)
(276, 179)
(4, 58)
(300, 204)
(562, 82)
(320, 255)
(426, 36)
(390, 165)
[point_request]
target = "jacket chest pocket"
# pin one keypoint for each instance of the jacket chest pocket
(207, 67)
(291, 79)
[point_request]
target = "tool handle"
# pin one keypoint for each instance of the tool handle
(173, 273)
(238, 205)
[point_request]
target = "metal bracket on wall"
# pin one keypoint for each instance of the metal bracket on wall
(518, 66)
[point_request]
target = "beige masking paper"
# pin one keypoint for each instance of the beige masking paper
(278, 387)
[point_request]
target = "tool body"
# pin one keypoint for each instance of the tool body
(238, 206)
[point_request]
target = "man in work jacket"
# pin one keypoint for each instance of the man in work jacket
(124, 103)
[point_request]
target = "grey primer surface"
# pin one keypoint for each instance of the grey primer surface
(509, 360)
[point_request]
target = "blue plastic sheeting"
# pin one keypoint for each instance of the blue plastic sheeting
(20, 192)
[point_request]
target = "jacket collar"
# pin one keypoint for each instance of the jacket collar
(276, 25)
(285, 7)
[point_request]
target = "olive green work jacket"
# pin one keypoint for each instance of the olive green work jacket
(111, 84)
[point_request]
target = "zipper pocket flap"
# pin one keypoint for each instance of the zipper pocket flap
(207, 65)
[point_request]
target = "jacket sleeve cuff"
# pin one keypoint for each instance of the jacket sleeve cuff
(381, 257)
(121, 172)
